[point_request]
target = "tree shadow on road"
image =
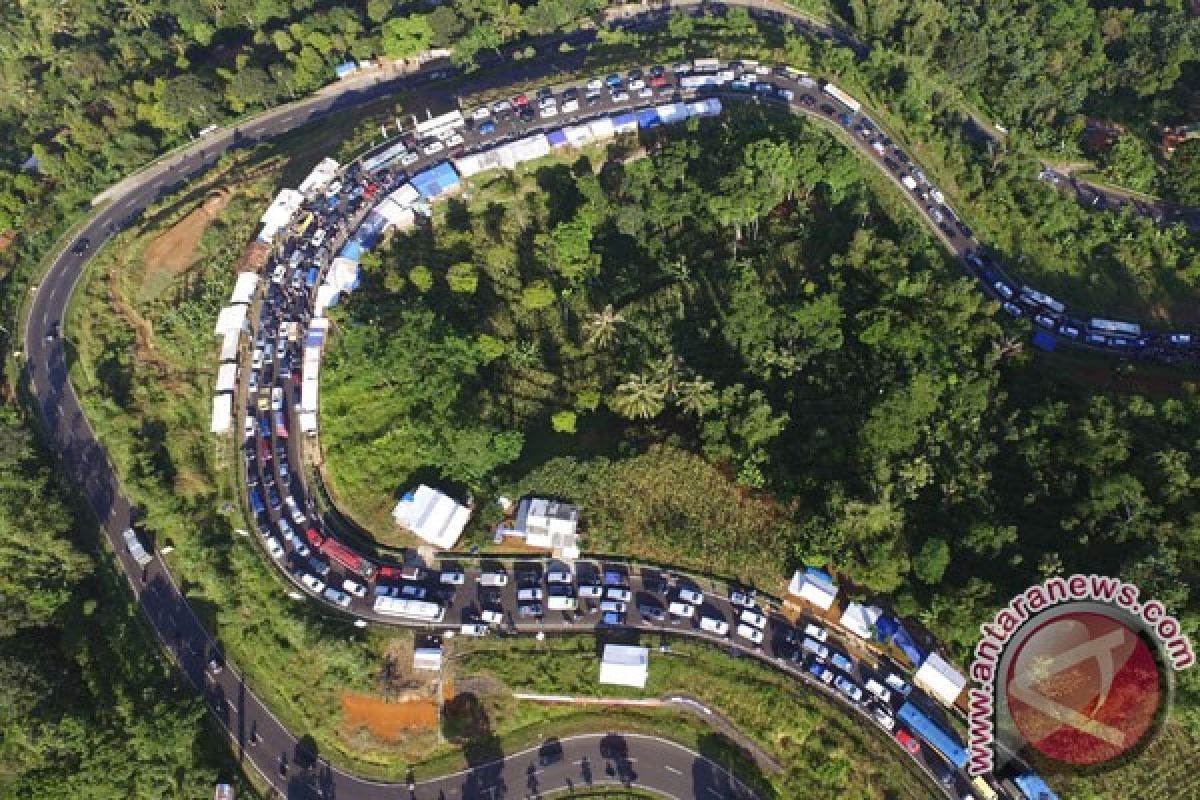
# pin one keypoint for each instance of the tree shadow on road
(739, 777)
(465, 721)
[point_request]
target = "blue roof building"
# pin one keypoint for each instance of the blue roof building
(436, 181)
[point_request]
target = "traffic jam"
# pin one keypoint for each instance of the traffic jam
(479, 597)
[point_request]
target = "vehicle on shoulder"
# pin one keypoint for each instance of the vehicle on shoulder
(354, 587)
(595, 85)
(1045, 321)
(1069, 330)
(808, 100)
(483, 112)
(492, 614)
(473, 629)
(1013, 309)
(713, 625)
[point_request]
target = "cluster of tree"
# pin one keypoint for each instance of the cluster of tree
(750, 300)
(1038, 67)
(86, 707)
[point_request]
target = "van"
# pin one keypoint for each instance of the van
(680, 609)
(754, 618)
(713, 625)
(493, 579)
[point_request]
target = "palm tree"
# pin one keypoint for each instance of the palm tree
(697, 396)
(601, 327)
(639, 397)
(137, 13)
(669, 370)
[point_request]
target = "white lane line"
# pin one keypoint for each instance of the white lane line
(669, 768)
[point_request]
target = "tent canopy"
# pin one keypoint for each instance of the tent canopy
(624, 665)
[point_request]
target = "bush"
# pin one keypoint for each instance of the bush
(563, 422)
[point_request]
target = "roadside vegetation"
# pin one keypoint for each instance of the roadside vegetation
(818, 744)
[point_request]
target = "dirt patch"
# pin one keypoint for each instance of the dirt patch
(143, 330)
(174, 251)
(388, 721)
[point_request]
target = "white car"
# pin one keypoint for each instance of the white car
(682, 610)
(274, 548)
(500, 106)
(492, 615)
(493, 578)
(713, 625)
(595, 85)
(483, 112)
(754, 618)
(590, 590)
(473, 629)
(301, 548)
(816, 632)
(312, 583)
(434, 147)
(530, 593)
(354, 587)
(408, 158)
(751, 633)
(619, 97)
(285, 530)
(452, 577)
(558, 576)
(548, 111)
(645, 92)
(338, 597)
(637, 83)
(885, 720)
(617, 593)
(250, 427)
(691, 595)
(570, 106)
(454, 140)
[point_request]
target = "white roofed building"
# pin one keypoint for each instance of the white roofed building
(860, 619)
(623, 665)
(231, 320)
(227, 377)
(243, 290)
(321, 176)
(427, 658)
(222, 413)
(279, 213)
(815, 586)
(940, 679)
(549, 524)
(432, 516)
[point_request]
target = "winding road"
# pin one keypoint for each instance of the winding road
(261, 741)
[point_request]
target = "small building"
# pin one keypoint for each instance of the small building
(940, 679)
(625, 665)
(860, 619)
(1033, 787)
(230, 320)
(432, 516)
(222, 413)
(428, 658)
(243, 290)
(814, 585)
(548, 523)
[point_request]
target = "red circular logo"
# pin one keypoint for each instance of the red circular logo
(1083, 688)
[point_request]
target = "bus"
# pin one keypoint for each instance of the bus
(843, 98)
(933, 734)
(1043, 300)
(1114, 326)
(421, 610)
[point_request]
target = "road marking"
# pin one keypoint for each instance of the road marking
(669, 768)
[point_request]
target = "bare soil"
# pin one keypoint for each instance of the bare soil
(174, 251)
(389, 721)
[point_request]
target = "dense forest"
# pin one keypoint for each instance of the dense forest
(609, 328)
(87, 709)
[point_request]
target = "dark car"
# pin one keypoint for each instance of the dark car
(808, 100)
(550, 753)
(657, 71)
(963, 229)
(635, 74)
(826, 109)
(652, 612)
(81, 246)
(530, 609)
(845, 120)
(890, 164)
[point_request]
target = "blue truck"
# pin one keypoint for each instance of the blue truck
(256, 501)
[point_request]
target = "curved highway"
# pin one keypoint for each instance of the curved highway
(262, 742)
